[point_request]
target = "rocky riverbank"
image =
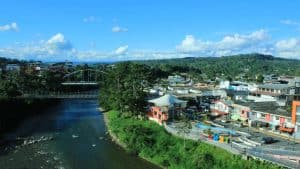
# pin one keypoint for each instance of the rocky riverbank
(114, 138)
(31, 152)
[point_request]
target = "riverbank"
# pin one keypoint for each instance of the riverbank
(150, 141)
(119, 142)
(114, 138)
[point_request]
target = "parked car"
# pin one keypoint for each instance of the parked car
(268, 140)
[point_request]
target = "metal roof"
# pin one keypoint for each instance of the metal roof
(274, 86)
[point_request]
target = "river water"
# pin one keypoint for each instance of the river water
(70, 135)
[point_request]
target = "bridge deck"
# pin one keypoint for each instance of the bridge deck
(66, 96)
(79, 83)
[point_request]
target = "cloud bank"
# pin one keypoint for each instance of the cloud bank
(58, 48)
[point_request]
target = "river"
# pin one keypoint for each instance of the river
(70, 135)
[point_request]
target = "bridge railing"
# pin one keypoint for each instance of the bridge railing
(60, 94)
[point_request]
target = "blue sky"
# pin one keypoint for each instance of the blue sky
(93, 30)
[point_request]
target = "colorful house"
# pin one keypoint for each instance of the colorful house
(249, 111)
(240, 112)
(276, 120)
(219, 108)
(157, 114)
(163, 107)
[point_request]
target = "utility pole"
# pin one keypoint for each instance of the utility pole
(294, 133)
(230, 111)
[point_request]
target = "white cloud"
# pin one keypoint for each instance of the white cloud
(287, 44)
(89, 19)
(190, 44)
(289, 48)
(117, 29)
(229, 44)
(57, 38)
(290, 22)
(58, 43)
(9, 27)
(121, 50)
(55, 48)
(238, 40)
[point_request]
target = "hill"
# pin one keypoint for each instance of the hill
(245, 66)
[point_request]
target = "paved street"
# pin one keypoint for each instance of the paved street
(283, 152)
(256, 135)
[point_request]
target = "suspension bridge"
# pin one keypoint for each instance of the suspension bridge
(79, 84)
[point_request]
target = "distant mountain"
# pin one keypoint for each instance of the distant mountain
(246, 66)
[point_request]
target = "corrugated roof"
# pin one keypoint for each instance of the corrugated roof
(274, 86)
(267, 107)
(166, 100)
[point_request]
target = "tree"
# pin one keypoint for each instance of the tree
(229, 78)
(123, 88)
(53, 79)
(9, 87)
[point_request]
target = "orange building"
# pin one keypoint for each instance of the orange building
(163, 106)
(156, 114)
(296, 117)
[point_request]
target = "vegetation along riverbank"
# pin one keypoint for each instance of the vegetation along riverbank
(150, 141)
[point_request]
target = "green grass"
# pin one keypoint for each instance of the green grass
(152, 142)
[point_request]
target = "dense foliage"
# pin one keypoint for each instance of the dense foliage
(245, 67)
(152, 142)
(27, 79)
(123, 87)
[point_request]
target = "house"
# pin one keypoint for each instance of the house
(291, 80)
(219, 108)
(235, 85)
(164, 107)
(270, 78)
(237, 95)
(297, 91)
(242, 109)
(13, 67)
(174, 80)
(273, 89)
(263, 114)
(182, 91)
(158, 114)
(240, 112)
(210, 96)
(280, 92)
(276, 120)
